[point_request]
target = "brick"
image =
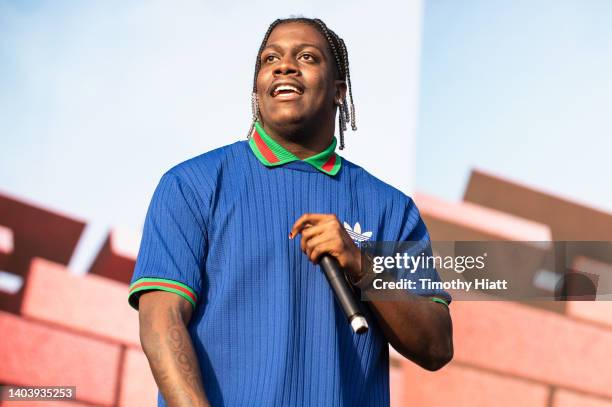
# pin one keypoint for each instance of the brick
(599, 311)
(36, 231)
(138, 388)
(6, 241)
(454, 228)
(397, 387)
(117, 257)
(467, 221)
(91, 304)
(594, 311)
(564, 398)
(34, 354)
(460, 386)
(517, 340)
(11, 302)
(602, 270)
(567, 218)
(8, 300)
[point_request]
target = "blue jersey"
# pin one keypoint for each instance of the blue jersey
(266, 327)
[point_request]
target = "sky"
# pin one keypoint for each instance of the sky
(99, 99)
(519, 88)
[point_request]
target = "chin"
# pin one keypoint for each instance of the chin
(287, 120)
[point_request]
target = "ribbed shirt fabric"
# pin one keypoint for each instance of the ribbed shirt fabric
(266, 327)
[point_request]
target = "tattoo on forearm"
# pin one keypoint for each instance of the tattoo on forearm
(179, 342)
(180, 355)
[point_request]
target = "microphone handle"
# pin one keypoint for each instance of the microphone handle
(344, 295)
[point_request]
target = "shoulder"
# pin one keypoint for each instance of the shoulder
(366, 183)
(209, 160)
(397, 211)
(199, 172)
(196, 178)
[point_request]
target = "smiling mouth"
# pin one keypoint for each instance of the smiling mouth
(285, 89)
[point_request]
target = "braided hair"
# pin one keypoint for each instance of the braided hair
(340, 53)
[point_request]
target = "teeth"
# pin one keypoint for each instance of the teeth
(281, 88)
(286, 87)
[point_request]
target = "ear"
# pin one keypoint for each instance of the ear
(340, 92)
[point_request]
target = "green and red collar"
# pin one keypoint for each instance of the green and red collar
(272, 154)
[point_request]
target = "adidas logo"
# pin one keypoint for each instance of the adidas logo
(355, 233)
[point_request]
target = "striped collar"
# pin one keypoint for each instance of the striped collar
(272, 154)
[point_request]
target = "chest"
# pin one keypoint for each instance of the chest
(251, 215)
(256, 211)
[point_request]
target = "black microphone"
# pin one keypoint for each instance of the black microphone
(344, 294)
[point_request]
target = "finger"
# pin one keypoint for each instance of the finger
(319, 245)
(322, 229)
(308, 218)
(305, 220)
(321, 249)
(307, 226)
(309, 232)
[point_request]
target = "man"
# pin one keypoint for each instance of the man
(233, 312)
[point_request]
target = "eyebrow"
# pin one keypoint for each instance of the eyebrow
(298, 46)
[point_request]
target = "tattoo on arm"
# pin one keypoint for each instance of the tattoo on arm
(180, 344)
(173, 360)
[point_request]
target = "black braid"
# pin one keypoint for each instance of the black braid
(340, 53)
(261, 48)
(254, 101)
(350, 88)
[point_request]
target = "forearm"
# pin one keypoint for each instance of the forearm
(417, 327)
(168, 347)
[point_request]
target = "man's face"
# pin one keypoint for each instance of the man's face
(296, 83)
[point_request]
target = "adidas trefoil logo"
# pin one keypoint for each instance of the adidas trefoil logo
(355, 233)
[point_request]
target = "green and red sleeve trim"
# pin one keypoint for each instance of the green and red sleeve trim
(147, 284)
(440, 300)
(272, 154)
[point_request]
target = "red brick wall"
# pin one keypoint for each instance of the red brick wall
(67, 329)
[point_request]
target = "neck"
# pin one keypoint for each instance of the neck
(302, 141)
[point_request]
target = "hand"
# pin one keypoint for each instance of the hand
(324, 234)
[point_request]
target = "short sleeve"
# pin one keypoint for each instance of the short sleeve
(174, 242)
(416, 242)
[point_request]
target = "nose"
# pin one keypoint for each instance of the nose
(286, 66)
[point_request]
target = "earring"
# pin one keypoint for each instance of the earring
(254, 113)
(341, 124)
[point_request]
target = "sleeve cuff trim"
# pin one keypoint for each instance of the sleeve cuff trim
(440, 300)
(181, 289)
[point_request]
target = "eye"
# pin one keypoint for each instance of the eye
(269, 58)
(307, 57)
